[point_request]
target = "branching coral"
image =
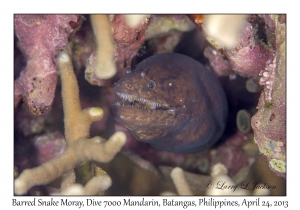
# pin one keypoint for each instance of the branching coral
(219, 175)
(79, 146)
(225, 29)
(134, 21)
(180, 182)
(105, 66)
(95, 186)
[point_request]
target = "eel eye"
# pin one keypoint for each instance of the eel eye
(151, 85)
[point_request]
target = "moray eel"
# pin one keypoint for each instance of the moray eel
(172, 102)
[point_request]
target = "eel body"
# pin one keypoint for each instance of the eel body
(172, 102)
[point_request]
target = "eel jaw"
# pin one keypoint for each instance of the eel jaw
(132, 101)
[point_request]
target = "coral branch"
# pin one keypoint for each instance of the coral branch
(95, 186)
(224, 28)
(134, 21)
(180, 182)
(45, 173)
(77, 121)
(79, 148)
(218, 175)
(68, 179)
(69, 85)
(105, 64)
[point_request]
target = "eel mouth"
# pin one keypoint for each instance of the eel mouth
(132, 101)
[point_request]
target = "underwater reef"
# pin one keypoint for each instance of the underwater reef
(68, 73)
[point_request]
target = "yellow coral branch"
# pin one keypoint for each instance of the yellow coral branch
(180, 182)
(95, 186)
(105, 64)
(224, 29)
(68, 179)
(134, 21)
(218, 175)
(79, 148)
(77, 121)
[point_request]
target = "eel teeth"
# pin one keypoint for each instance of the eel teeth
(131, 98)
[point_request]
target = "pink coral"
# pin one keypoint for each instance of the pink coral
(250, 55)
(238, 139)
(267, 79)
(83, 45)
(40, 36)
(217, 61)
(49, 146)
(127, 40)
(232, 157)
(29, 124)
(269, 123)
(253, 49)
(35, 150)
